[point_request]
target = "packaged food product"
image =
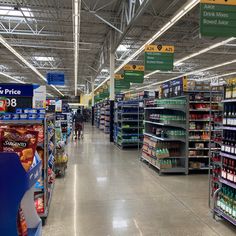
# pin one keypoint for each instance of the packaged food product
(40, 130)
(21, 224)
(21, 141)
(3, 104)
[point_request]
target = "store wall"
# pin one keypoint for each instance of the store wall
(85, 99)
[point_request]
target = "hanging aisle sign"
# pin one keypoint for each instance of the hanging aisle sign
(158, 57)
(121, 83)
(56, 78)
(134, 73)
(218, 18)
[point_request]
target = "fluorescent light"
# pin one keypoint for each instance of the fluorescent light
(44, 58)
(122, 48)
(190, 73)
(183, 11)
(12, 78)
(104, 70)
(11, 49)
(215, 77)
(11, 11)
(77, 7)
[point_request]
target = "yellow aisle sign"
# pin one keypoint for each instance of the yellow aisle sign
(159, 48)
(119, 76)
(222, 2)
(134, 67)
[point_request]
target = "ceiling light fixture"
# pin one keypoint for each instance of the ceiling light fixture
(10, 77)
(190, 73)
(182, 12)
(77, 7)
(41, 58)
(11, 49)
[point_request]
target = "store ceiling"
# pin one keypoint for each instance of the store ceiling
(42, 32)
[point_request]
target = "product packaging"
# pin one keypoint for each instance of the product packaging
(21, 141)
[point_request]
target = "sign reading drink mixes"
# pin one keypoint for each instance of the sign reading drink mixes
(218, 18)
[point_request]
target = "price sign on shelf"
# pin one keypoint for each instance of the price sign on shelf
(16, 102)
(17, 95)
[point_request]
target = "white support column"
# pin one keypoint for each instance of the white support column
(112, 69)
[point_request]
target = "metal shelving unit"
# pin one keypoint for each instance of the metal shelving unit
(128, 124)
(158, 146)
(45, 190)
(203, 107)
(224, 197)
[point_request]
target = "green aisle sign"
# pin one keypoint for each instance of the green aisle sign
(134, 73)
(121, 83)
(218, 18)
(158, 57)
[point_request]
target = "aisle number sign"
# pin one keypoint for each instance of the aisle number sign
(134, 73)
(159, 57)
(121, 83)
(218, 18)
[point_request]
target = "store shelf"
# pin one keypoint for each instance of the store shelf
(228, 155)
(220, 213)
(198, 130)
(226, 182)
(164, 139)
(203, 110)
(165, 124)
(123, 121)
(202, 168)
(199, 140)
(198, 157)
(169, 170)
(229, 128)
(21, 122)
(130, 127)
(183, 109)
(228, 100)
(198, 148)
(207, 102)
(199, 120)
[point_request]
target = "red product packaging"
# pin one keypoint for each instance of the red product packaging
(21, 224)
(23, 142)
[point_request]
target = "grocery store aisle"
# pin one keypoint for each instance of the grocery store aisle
(109, 192)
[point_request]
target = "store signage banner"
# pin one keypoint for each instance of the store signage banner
(174, 88)
(58, 106)
(134, 73)
(158, 57)
(218, 18)
(56, 78)
(17, 95)
(39, 96)
(120, 82)
(16, 90)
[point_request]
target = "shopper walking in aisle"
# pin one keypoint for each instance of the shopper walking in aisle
(78, 124)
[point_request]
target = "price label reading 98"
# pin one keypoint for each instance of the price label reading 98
(11, 102)
(18, 102)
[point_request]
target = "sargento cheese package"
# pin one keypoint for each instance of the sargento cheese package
(21, 141)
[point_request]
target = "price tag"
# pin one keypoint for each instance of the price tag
(18, 102)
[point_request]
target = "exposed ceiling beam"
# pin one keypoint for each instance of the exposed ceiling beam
(30, 66)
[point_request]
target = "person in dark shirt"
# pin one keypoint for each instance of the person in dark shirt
(78, 121)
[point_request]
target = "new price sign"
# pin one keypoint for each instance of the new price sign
(134, 73)
(158, 57)
(218, 18)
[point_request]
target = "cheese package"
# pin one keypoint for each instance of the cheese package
(21, 141)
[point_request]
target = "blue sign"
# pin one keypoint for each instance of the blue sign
(56, 78)
(16, 90)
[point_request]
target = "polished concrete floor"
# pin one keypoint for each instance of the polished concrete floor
(108, 191)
